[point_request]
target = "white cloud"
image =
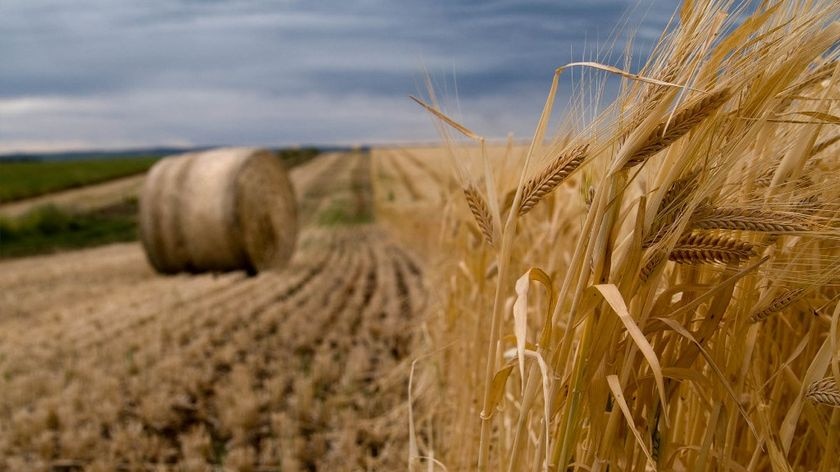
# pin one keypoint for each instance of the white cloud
(29, 106)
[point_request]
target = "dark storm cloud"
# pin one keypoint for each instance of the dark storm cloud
(108, 73)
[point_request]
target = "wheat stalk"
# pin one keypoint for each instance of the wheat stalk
(651, 263)
(653, 93)
(777, 304)
(825, 144)
(816, 76)
(824, 391)
(684, 120)
(481, 212)
(766, 177)
(553, 175)
(743, 219)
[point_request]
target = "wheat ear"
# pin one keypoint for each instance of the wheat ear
(672, 204)
(684, 120)
(777, 304)
(653, 93)
(824, 391)
(707, 248)
(553, 175)
(766, 177)
(708, 217)
(701, 248)
(481, 212)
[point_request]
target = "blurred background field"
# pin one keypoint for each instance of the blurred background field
(29, 178)
(106, 365)
(51, 204)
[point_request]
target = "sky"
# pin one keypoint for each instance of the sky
(111, 74)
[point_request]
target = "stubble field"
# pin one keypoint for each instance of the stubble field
(105, 365)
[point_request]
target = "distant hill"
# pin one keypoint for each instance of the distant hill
(131, 153)
(94, 154)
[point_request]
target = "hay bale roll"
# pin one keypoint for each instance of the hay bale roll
(218, 210)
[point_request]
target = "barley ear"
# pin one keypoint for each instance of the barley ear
(672, 204)
(708, 248)
(825, 392)
(700, 248)
(823, 145)
(684, 120)
(708, 217)
(552, 176)
(481, 212)
(777, 304)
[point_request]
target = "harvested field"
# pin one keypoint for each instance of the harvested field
(108, 366)
(91, 197)
(102, 195)
(22, 180)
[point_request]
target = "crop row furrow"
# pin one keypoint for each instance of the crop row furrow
(169, 368)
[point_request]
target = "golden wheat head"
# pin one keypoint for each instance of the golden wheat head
(552, 176)
(684, 120)
(481, 212)
(777, 304)
(825, 392)
(672, 204)
(701, 248)
(743, 219)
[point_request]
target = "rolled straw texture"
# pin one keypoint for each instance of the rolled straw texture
(219, 210)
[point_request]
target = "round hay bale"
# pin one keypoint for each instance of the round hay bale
(219, 210)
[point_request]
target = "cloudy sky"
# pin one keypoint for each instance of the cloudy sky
(119, 74)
